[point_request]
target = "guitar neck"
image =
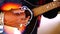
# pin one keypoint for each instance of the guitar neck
(45, 8)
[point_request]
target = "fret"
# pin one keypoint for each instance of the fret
(45, 8)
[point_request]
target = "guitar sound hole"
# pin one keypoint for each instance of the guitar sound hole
(51, 14)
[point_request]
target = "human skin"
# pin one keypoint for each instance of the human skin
(15, 18)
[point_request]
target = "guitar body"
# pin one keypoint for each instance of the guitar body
(32, 27)
(52, 13)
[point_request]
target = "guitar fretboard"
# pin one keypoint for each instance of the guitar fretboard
(45, 8)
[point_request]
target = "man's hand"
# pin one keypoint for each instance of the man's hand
(15, 18)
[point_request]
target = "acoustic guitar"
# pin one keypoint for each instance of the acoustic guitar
(38, 11)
